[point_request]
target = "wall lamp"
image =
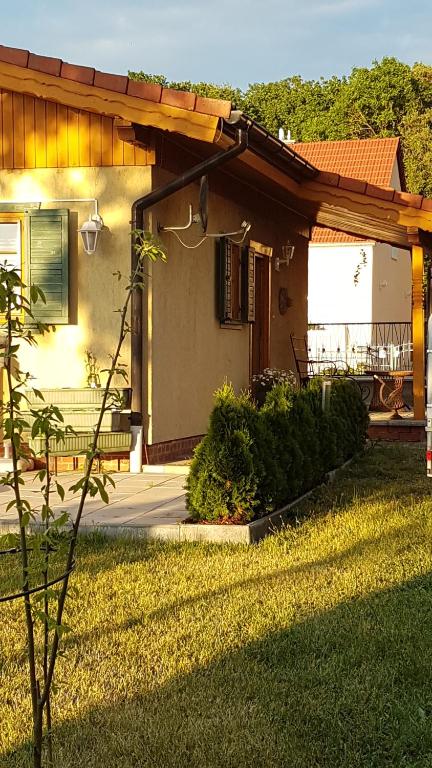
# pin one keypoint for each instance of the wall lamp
(90, 231)
(91, 228)
(287, 254)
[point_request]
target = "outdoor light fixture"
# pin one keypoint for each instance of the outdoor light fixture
(287, 254)
(90, 233)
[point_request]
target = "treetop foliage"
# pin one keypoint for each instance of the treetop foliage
(389, 98)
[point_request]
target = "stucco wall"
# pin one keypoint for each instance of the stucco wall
(189, 353)
(58, 361)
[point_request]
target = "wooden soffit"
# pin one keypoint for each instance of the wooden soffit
(364, 214)
(101, 101)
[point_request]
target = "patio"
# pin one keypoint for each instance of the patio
(137, 501)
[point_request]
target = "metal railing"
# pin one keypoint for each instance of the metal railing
(362, 346)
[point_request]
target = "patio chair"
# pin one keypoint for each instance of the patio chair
(307, 368)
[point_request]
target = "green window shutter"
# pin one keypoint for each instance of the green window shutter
(225, 280)
(48, 263)
(248, 285)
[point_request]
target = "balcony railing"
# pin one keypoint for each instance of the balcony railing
(362, 346)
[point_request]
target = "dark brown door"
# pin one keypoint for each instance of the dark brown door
(260, 342)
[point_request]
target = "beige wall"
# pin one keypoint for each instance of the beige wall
(189, 353)
(294, 278)
(58, 361)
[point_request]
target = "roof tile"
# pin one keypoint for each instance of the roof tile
(216, 107)
(323, 235)
(354, 185)
(372, 160)
(44, 64)
(181, 99)
(414, 201)
(325, 177)
(148, 91)
(78, 74)
(111, 82)
(117, 83)
(17, 56)
(382, 193)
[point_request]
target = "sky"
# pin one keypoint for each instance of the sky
(222, 41)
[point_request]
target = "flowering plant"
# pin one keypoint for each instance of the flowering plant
(272, 376)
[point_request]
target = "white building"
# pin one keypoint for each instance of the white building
(359, 295)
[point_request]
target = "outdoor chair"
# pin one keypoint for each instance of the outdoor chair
(308, 368)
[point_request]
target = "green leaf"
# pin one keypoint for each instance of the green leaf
(60, 490)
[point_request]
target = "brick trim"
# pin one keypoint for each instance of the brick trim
(157, 453)
(401, 434)
(171, 450)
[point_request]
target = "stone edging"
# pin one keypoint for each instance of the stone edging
(229, 534)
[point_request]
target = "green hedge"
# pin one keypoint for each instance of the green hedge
(253, 461)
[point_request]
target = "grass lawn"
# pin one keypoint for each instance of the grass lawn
(313, 648)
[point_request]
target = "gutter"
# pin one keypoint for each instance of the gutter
(241, 136)
(270, 148)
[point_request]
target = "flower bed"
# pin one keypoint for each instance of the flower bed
(253, 461)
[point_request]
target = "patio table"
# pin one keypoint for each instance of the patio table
(394, 401)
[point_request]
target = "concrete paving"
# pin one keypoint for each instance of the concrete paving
(143, 501)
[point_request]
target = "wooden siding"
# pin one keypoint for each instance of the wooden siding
(35, 133)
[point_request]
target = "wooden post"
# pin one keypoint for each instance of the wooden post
(418, 338)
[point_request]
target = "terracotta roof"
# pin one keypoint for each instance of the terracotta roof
(118, 83)
(371, 160)
(323, 235)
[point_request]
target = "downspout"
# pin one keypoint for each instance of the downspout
(137, 222)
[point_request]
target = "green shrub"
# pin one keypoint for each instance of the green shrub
(223, 481)
(254, 461)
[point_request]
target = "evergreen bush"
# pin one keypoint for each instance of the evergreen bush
(253, 461)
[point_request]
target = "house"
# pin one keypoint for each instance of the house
(76, 142)
(359, 290)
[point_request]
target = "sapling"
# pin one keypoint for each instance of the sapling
(46, 542)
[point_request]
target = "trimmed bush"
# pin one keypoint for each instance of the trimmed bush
(253, 461)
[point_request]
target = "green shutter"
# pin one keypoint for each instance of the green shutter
(48, 263)
(248, 285)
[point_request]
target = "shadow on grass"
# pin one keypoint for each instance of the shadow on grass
(349, 688)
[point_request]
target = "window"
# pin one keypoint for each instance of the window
(10, 243)
(36, 243)
(236, 283)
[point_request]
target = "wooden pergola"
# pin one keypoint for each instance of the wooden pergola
(386, 215)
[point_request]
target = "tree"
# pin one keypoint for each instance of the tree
(48, 557)
(208, 90)
(389, 98)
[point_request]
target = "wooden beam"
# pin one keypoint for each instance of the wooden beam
(139, 136)
(358, 225)
(371, 208)
(103, 102)
(418, 331)
(416, 236)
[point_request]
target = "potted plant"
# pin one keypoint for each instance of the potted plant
(265, 381)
